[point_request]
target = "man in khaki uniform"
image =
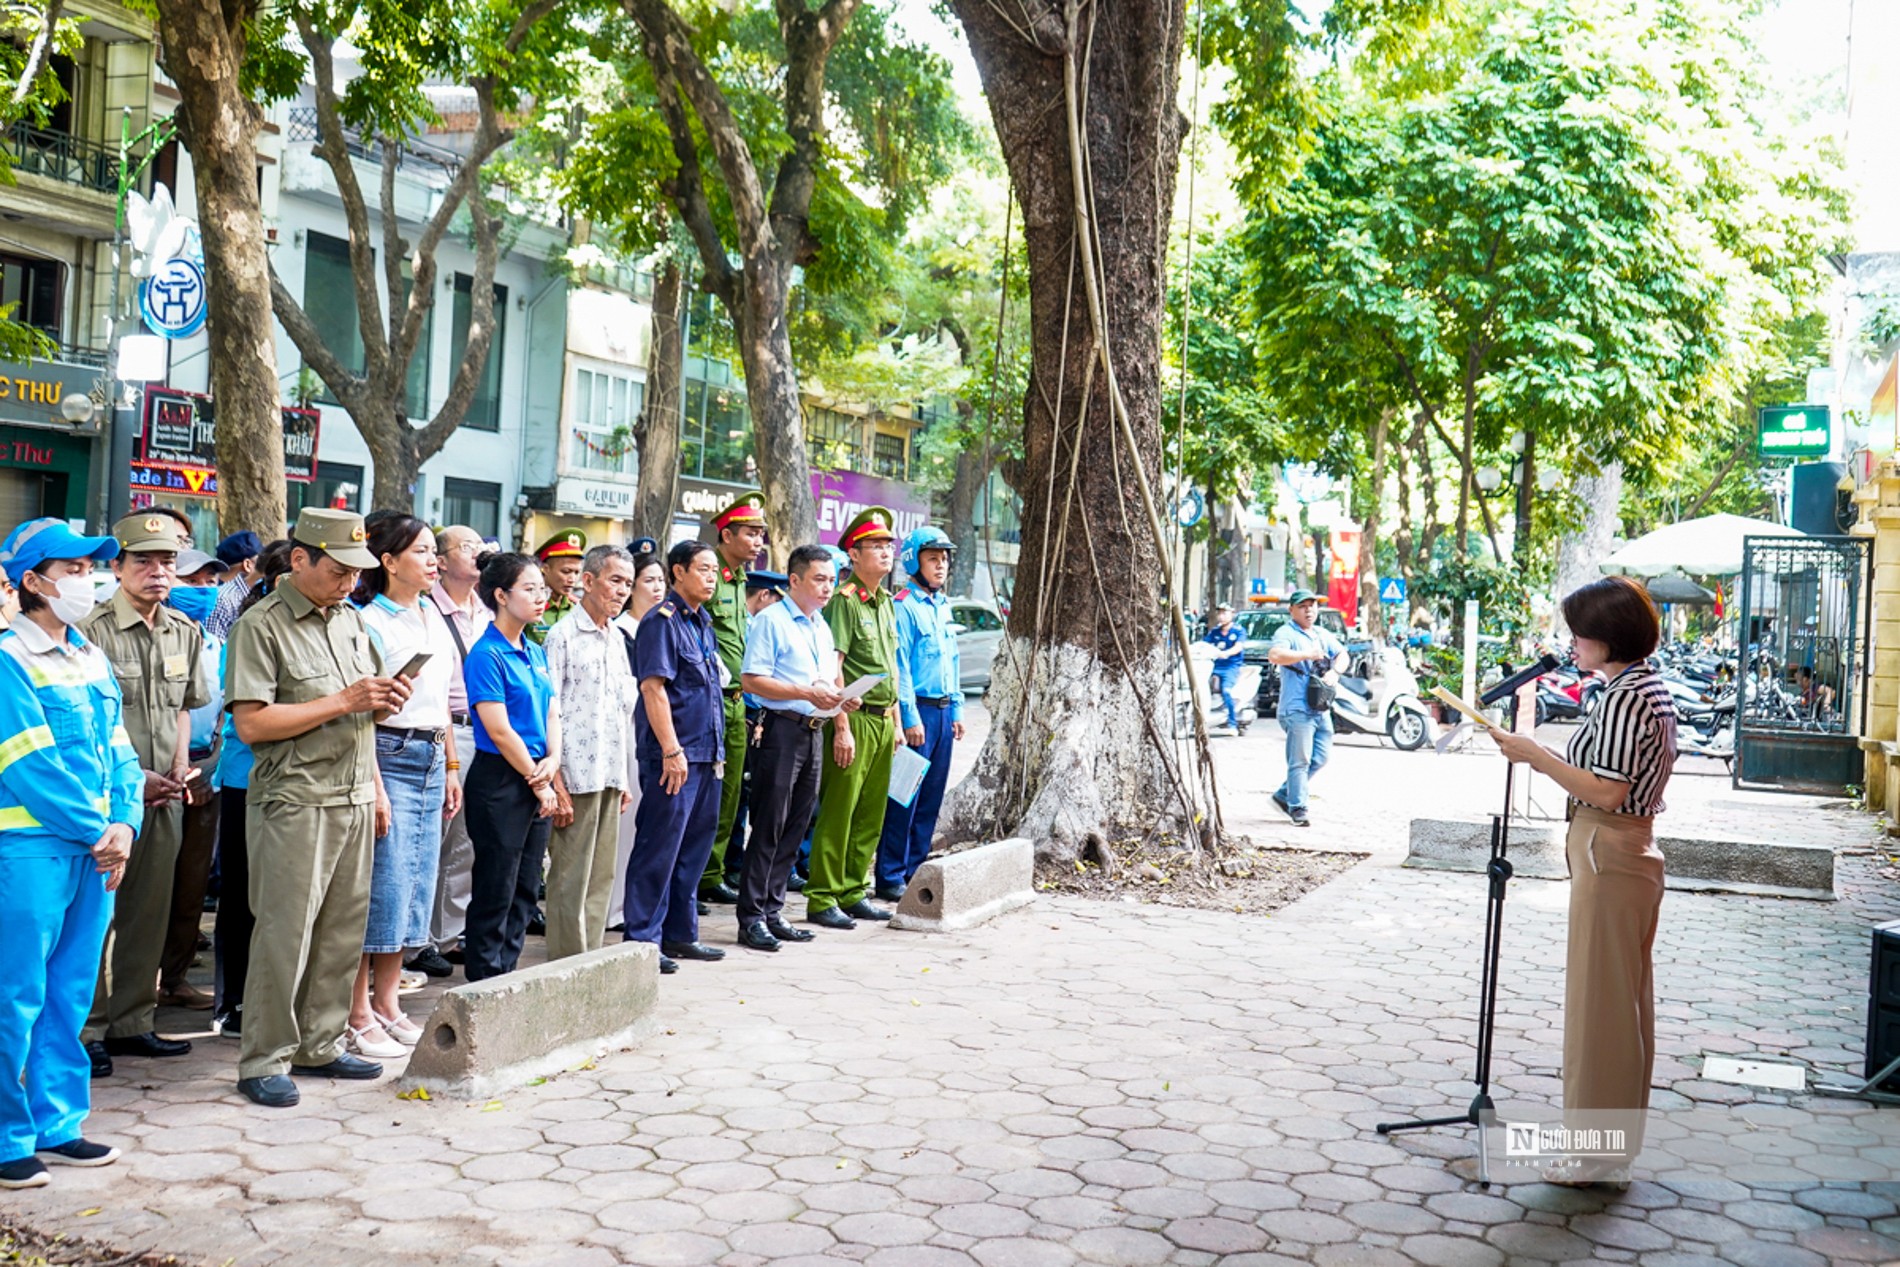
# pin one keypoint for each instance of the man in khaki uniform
(157, 656)
(304, 684)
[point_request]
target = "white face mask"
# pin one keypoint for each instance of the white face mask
(74, 601)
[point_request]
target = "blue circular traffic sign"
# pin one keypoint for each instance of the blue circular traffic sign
(172, 300)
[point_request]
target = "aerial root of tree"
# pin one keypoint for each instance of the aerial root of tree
(1083, 744)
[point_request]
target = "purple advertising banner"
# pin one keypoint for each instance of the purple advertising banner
(842, 494)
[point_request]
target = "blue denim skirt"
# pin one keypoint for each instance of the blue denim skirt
(402, 880)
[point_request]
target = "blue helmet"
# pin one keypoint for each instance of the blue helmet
(840, 561)
(925, 538)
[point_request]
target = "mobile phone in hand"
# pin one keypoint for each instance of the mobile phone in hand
(414, 667)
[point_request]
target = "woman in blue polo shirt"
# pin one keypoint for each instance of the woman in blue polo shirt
(510, 792)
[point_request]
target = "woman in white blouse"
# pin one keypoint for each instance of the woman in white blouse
(415, 751)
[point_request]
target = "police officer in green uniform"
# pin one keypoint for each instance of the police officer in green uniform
(741, 529)
(560, 559)
(305, 683)
(857, 775)
(156, 655)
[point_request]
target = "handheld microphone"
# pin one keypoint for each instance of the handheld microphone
(1523, 677)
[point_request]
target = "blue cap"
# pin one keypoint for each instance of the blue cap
(758, 579)
(239, 546)
(37, 540)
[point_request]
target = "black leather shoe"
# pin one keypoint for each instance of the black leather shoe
(455, 956)
(429, 962)
(704, 908)
(667, 966)
(719, 894)
(101, 1063)
(148, 1045)
(889, 895)
(795, 883)
(776, 925)
(831, 917)
(352, 1068)
(691, 950)
(862, 909)
(273, 1092)
(538, 923)
(754, 937)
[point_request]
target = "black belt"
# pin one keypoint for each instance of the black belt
(458, 719)
(934, 701)
(808, 721)
(427, 736)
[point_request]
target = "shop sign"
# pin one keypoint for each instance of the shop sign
(840, 494)
(1794, 431)
(31, 393)
(602, 498)
(177, 444)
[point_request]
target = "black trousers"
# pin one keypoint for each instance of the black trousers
(231, 936)
(510, 840)
(784, 773)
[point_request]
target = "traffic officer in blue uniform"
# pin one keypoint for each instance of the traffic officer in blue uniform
(71, 801)
(929, 705)
(1225, 637)
(679, 744)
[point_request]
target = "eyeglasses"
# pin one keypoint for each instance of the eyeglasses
(532, 591)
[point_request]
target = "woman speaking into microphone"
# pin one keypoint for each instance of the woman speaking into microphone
(1614, 771)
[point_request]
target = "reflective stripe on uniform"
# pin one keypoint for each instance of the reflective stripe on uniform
(27, 741)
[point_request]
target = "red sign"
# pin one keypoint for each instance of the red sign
(176, 451)
(1342, 589)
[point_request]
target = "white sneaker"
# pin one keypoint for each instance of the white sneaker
(373, 1043)
(410, 982)
(400, 1028)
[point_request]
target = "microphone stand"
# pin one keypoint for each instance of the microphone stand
(1498, 873)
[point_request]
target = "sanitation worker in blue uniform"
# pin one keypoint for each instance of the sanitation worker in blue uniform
(1225, 638)
(679, 745)
(929, 705)
(71, 801)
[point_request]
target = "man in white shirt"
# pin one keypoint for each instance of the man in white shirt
(587, 662)
(467, 616)
(791, 666)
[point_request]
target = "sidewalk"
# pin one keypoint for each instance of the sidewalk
(1082, 1082)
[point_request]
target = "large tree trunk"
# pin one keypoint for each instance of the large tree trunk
(1083, 687)
(966, 487)
(202, 45)
(1579, 553)
(656, 435)
(778, 418)
(1369, 534)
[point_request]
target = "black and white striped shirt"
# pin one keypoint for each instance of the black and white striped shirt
(1631, 737)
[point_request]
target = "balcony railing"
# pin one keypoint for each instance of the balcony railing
(303, 127)
(64, 157)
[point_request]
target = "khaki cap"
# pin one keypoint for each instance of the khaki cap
(147, 532)
(337, 533)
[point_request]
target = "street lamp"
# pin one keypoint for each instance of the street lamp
(1488, 479)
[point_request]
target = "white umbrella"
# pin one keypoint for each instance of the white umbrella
(1710, 546)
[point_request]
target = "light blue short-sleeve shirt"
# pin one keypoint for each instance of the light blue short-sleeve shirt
(785, 644)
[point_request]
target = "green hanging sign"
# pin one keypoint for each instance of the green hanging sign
(1793, 431)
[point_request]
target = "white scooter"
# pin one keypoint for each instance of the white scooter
(1378, 695)
(1246, 687)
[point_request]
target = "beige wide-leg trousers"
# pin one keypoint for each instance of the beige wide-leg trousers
(1616, 889)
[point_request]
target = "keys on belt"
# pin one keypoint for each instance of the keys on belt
(426, 736)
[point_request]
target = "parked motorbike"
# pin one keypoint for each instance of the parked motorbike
(1378, 695)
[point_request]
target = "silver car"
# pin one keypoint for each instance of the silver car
(979, 629)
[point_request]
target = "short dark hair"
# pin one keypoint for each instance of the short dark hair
(499, 573)
(273, 564)
(803, 557)
(29, 601)
(1617, 612)
(682, 555)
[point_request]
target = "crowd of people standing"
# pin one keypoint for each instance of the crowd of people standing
(400, 749)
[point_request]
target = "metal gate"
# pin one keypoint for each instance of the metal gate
(1805, 616)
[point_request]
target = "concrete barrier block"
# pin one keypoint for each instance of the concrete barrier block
(1692, 863)
(960, 890)
(488, 1036)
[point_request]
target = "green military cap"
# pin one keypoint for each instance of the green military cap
(873, 523)
(337, 533)
(146, 532)
(749, 509)
(563, 545)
